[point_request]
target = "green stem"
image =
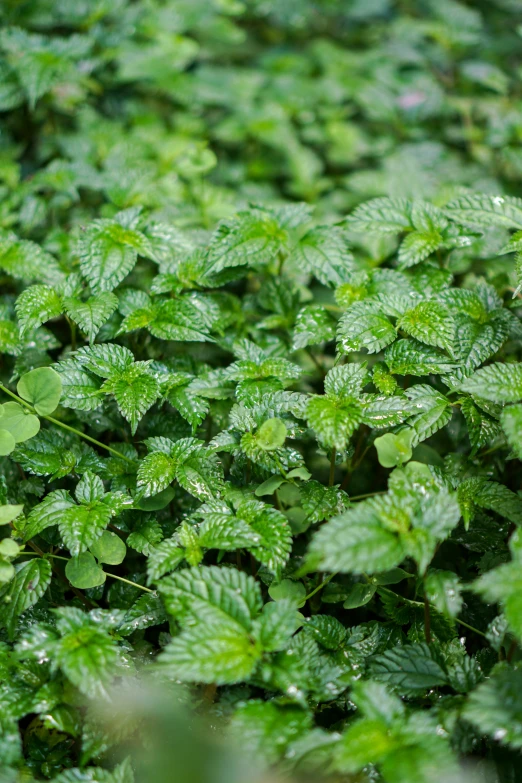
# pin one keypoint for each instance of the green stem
(113, 576)
(368, 495)
(61, 424)
(320, 586)
(332, 467)
(383, 589)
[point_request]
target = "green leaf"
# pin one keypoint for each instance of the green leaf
(18, 421)
(47, 513)
(164, 558)
(29, 584)
(249, 238)
(393, 450)
(109, 548)
(409, 667)
(9, 512)
(84, 572)
(312, 326)
(409, 357)
(320, 502)
(271, 435)
(42, 388)
(511, 420)
(212, 594)
(364, 325)
(366, 741)
(221, 654)
(80, 526)
(359, 595)
(334, 420)
(108, 252)
(145, 535)
(155, 472)
(91, 314)
(498, 382)
(7, 442)
(495, 707)
(382, 215)
(430, 323)
(356, 542)
(266, 729)
(86, 653)
(486, 210)
(261, 529)
(36, 305)
(135, 390)
(443, 590)
(504, 585)
(323, 251)
(288, 591)
(434, 411)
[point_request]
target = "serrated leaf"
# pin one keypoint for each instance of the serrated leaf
(135, 390)
(429, 322)
(511, 420)
(356, 542)
(36, 305)
(409, 357)
(443, 590)
(312, 326)
(47, 513)
(91, 314)
(28, 585)
(497, 382)
(80, 526)
(486, 210)
(323, 251)
(495, 707)
(409, 667)
(382, 215)
(108, 252)
(364, 325)
(334, 420)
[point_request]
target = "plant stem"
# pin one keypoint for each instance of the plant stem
(332, 467)
(471, 628)
(427, 620)
(321, 585)
(83, 598)
(41, 553)
(66, 426)
(368, 495)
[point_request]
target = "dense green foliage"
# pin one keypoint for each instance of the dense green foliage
(261, 384)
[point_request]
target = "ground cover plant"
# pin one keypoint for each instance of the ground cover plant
(260, 390)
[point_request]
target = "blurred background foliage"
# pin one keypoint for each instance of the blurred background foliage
(192, 108)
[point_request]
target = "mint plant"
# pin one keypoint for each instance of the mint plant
(260, 390)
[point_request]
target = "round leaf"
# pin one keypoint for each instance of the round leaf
(8, 548)
(156, 502)
(84, 572)
(271, 435)
(109, 548)
(42, 388)
(8, 513)
(7, 443)
(394, 449)
(287, 589)
(359, 595)
(19, 422)
(6, 571)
